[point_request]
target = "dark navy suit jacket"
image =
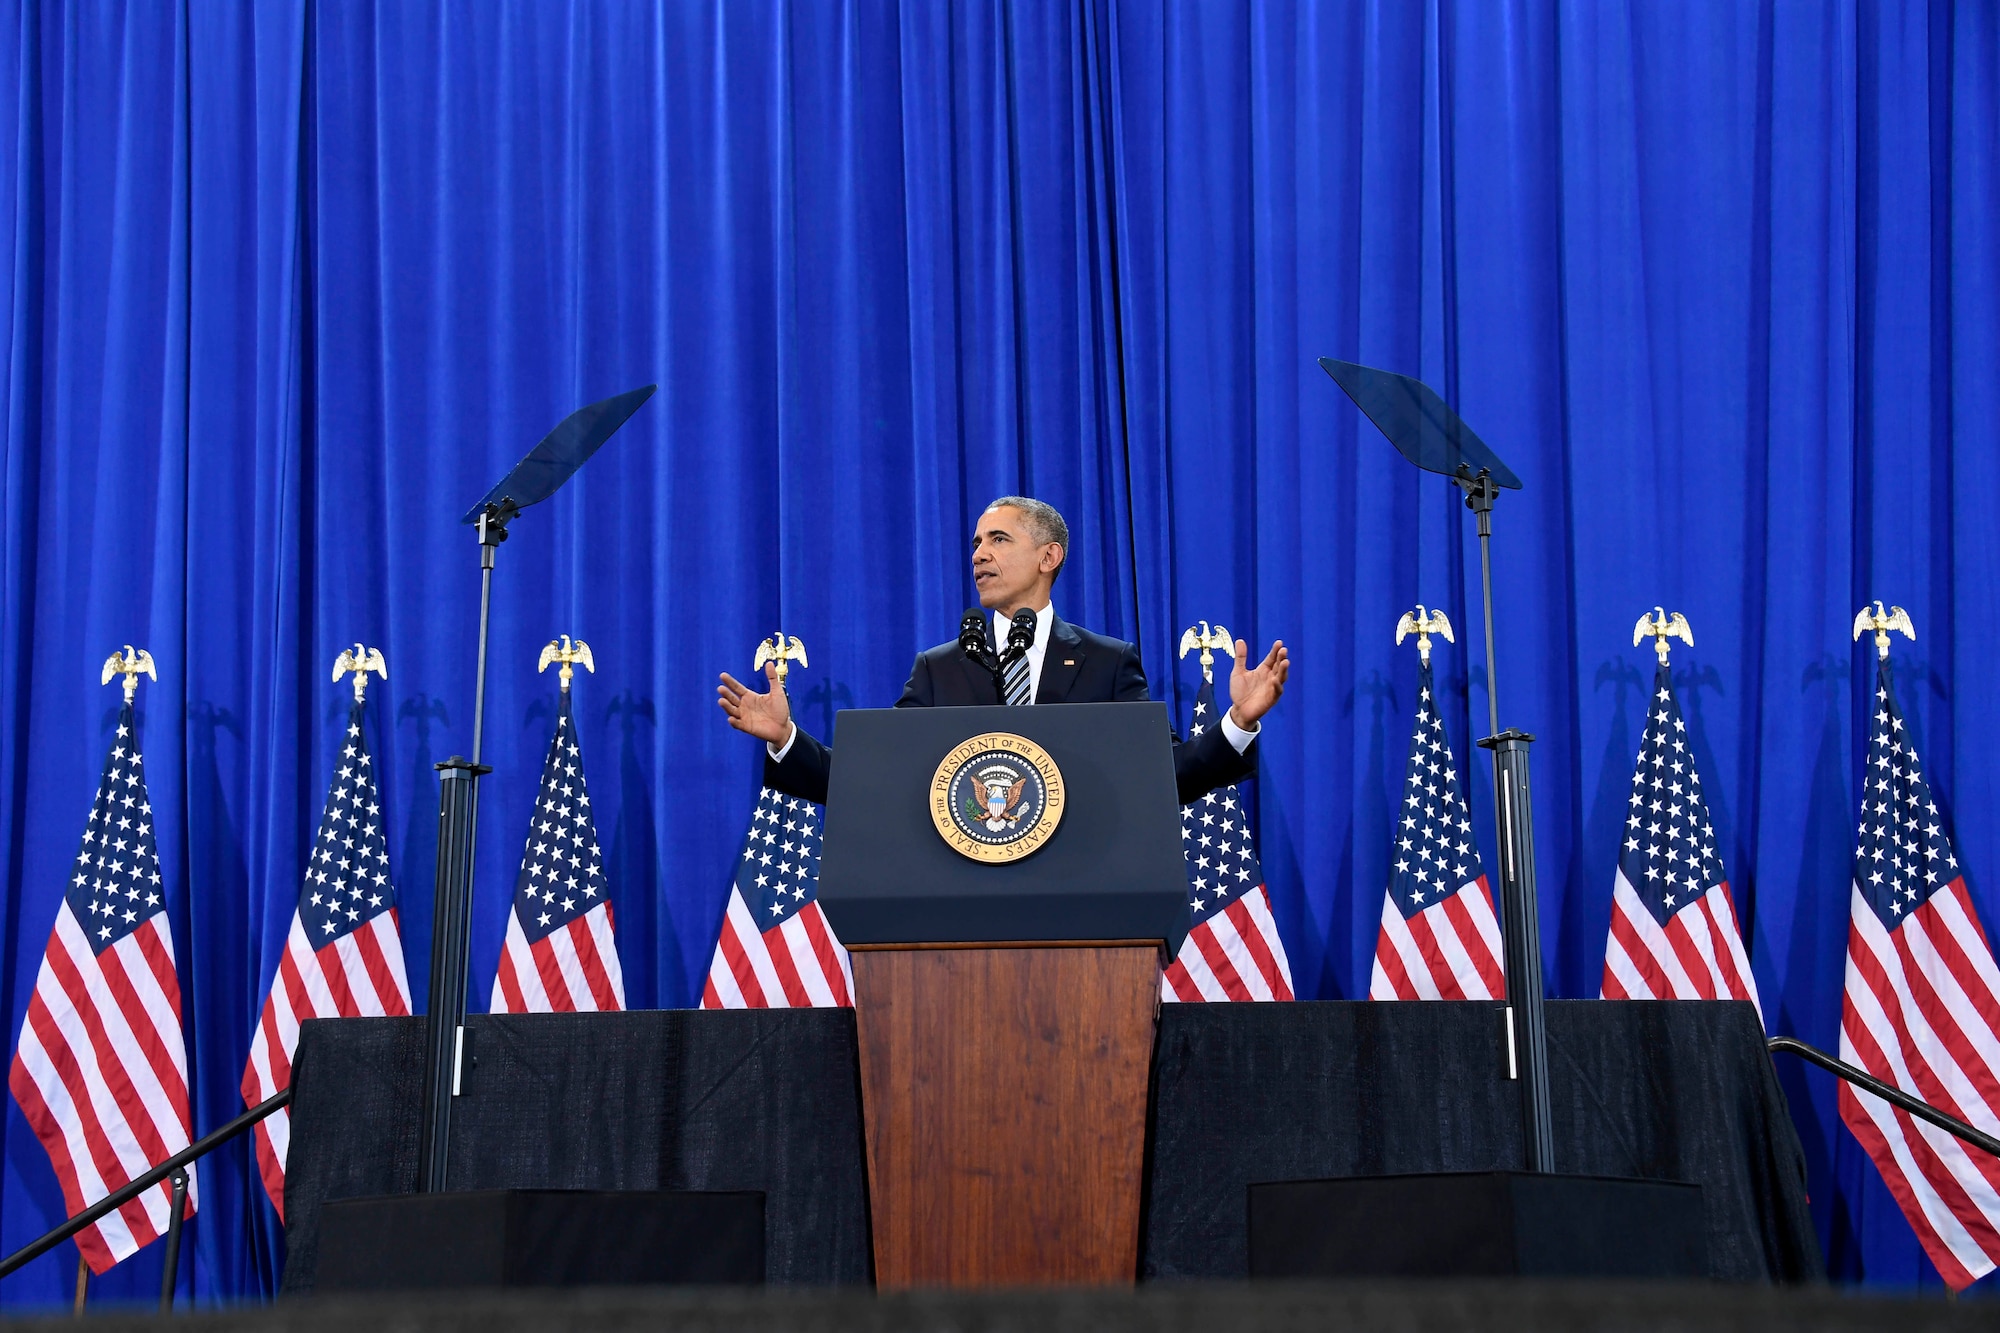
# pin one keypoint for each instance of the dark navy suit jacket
(1079, 667)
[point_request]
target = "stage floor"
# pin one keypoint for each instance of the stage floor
(1215, 1307)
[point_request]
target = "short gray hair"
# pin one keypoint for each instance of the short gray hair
(1043, 522)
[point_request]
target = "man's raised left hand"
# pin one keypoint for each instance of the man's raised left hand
(1253, 690)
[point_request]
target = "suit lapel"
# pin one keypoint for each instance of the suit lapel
(1061, 663)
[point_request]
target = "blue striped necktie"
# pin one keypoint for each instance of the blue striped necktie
(1017, 680)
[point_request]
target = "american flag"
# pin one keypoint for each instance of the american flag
(101, 1068)
(1674, 934)
(343, 954)
(1922, 1007)
(1232, 950)
(1439, 937)
(776, 950)
(560, 955)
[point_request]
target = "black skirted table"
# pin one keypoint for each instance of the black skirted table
(677, 1099)
(770, 1100)
(1656, 1089)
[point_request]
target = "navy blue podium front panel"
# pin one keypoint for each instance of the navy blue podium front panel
(1113, 869)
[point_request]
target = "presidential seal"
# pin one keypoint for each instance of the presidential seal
(996, 797)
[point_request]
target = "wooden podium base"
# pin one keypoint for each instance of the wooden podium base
(1004, 1094)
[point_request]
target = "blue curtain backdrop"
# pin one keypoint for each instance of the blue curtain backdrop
(286, 286)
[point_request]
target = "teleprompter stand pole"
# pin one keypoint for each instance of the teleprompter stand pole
(448, 1043)
(458, 823)
(1433, 437)
(1527, 1031)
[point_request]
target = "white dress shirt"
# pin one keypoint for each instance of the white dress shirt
(1237, 736)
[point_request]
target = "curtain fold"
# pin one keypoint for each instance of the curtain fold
(287, 287)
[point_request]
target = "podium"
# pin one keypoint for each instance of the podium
(1005, 1001)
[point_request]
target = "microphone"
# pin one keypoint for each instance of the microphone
(1020, 635)
(972, 642)
(972, 637)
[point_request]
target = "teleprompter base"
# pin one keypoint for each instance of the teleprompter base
(541, 1238)
(1477, 1224)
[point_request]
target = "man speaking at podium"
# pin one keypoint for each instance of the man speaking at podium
(1018, 549)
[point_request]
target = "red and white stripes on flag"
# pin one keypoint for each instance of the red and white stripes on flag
(100, 1071)
(1234, 955)
(562, 972)
(1450, 950)
(560, 954)
(343, 955)
(775, 949)
(1232, 950)
(1921, 1009)
(1674, 933)
(1439, 938)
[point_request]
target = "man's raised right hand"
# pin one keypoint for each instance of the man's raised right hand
(767, 716)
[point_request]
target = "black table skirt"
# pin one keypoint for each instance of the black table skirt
(770, 1100)
(663, 1099)
(1658, 1089)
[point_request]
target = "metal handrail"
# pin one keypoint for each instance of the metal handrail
(1895, 1096)
(174, 1166)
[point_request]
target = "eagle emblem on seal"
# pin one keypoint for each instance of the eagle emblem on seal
(1000, 790)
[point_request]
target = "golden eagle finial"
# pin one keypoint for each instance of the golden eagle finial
(1881, 621)
(1208, 641)
(570, 651)
(782, 652)
(1662, 627)
(360, 659)
(1423, 625)
(129, 664)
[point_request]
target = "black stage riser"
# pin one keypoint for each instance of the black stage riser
(1477, 1224)
(541, 1238)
